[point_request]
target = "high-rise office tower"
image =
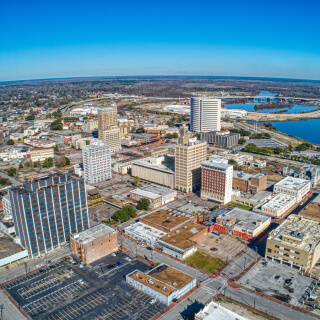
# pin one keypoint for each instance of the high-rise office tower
(96, 162)
(112, 136)
(106, 117)
(205, 114)
(216, 181)
(188, 158)
(46, 211)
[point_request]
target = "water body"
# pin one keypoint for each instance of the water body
(304, 129)
(263, 97)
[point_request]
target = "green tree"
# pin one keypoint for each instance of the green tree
(198, 135)
(139, 130)
(242, 141)
(136, 181)
(277, 150)
(56, 148)
(251, 147)
(143, 204)
(12, 172)
(232, 162)
(56, 125)
(30, 118)
(4, 181)
(4, 119)
(87, 142)
(20, 165)
(175, 135)
(48, 162)
(290, 148)
(10, 142)
(169, 136)
(67, 160)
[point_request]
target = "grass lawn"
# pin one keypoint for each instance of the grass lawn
(238, 205)
(275, 177)
(205, 262)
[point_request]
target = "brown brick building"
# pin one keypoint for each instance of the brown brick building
(246, 182)
(95, 243)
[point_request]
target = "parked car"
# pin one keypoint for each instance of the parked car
(153, 301)
(128, 258)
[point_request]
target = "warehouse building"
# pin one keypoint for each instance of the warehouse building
(278, 205)
(162, 283)
(242, 223)
(293, 186)
(94, 243)
(295, 242)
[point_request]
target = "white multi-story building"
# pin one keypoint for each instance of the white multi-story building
(216, 181)
(293, 186)
(96, 162)
(7, 206)
(205, 114)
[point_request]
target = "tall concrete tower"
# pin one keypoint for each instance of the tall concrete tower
(205, 114)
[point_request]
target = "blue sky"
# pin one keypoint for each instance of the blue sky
(49, 39)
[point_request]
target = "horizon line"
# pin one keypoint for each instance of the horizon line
(162, 76)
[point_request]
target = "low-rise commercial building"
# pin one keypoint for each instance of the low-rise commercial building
(162, 283)
(164, 221)
(241, 223)
(158, 169)
(296, 187)
(157, 195)
(295, 242)
(40, 154)
(225, 139)
(246, 182)
(182, 242)
(144, 233)
(94, 243)
(214, 311)
(155, 152)
(278, 205)
(123, 166)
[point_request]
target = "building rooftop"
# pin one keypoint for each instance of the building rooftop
(165, 166)
(242, 175)
(93, 233)
(170, 276)
(279, 201)
(180, 238)
(145, 194)
(298, 232)
(244, 218)
(8, 247)
(164, 219)
(292, 183)
(163, 279)
(261, 196)
(212, 164)
(145, 230)
(312, 210)
(157, 189)
(258, 175)
(214, 311)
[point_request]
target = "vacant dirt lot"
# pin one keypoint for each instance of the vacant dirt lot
(223, 247)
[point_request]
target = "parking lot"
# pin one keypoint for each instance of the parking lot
(65, 291)
(279, 281)
(223, 247)
(101, 213)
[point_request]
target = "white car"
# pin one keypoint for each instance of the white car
(128, 258)
(143, 245)
(113, 254)
(153, 301)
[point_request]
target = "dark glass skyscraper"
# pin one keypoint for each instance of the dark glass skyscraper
(48, 210)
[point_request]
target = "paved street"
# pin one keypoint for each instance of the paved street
(10, 312)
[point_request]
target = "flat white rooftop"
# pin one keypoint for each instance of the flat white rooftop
(213, 311)
(146, 194)
(93, 233)
(279, 201)
(212, 164)
(143, 230)
(292, 183)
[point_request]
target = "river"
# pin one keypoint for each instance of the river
(263, 97)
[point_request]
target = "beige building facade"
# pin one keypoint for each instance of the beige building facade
(188, 158)
(295, 242)
(106, 117)
(40, 154)
(112, 136)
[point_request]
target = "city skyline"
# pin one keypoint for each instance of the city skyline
(246, 39)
